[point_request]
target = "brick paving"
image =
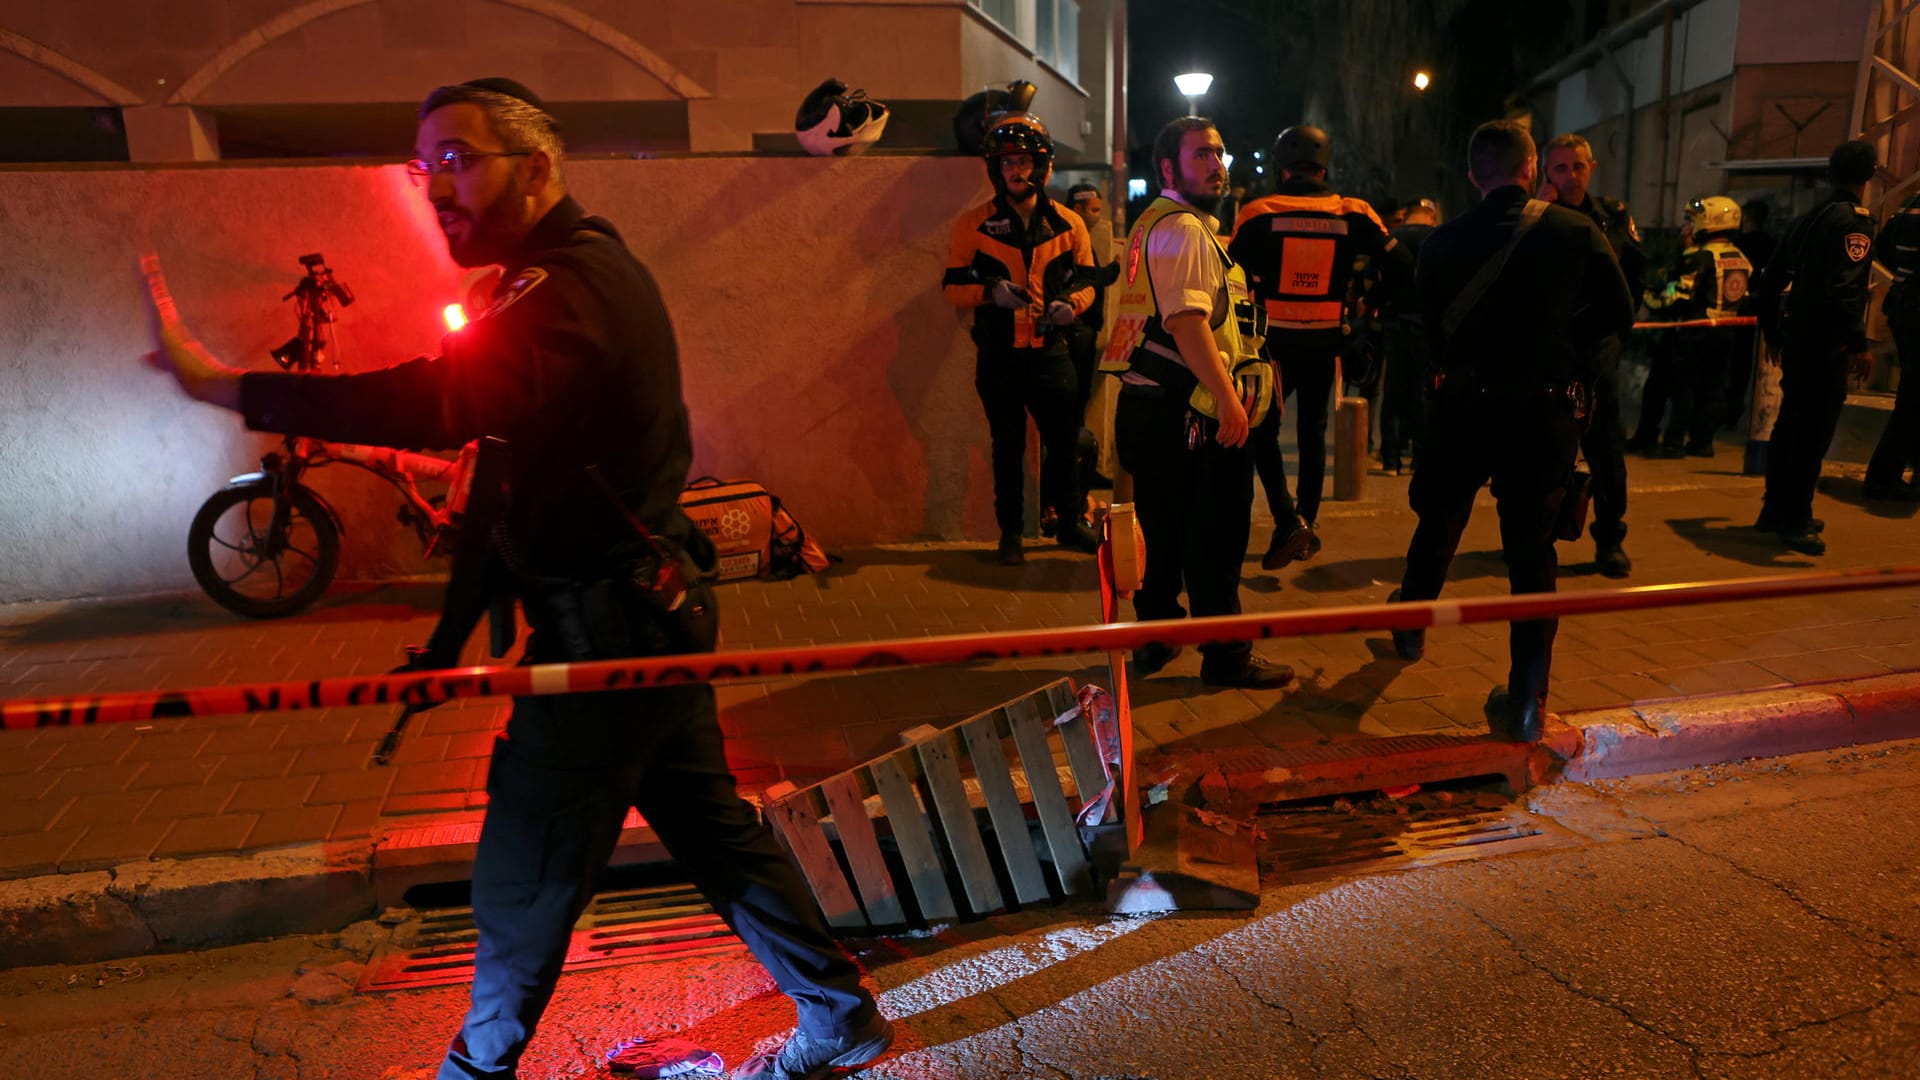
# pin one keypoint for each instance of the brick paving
(86, 798)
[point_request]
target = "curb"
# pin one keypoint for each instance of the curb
(1599, 744)
(172, 904)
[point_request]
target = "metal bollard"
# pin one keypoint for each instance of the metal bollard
(1349, 448)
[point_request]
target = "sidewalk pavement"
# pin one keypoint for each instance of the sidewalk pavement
(111, 799)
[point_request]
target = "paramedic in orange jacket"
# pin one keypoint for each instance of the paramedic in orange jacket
(1024, 264)
(1298, 246)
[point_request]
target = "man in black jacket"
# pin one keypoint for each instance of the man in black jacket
(1569, 167)
(1826, 258)
(1509, 405)
(1899, 446)
(1409, 374)
(574, 364)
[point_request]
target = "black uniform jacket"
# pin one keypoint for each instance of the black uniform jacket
(1616, 221)
(1392, 292)
(1898, 249)
(573, 365)
(1560, 291)
(1827, 256)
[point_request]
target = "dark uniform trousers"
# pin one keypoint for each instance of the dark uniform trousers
(1195, 508)
(1306, 374)
(1813, 390)
(1899, 447)
(1013, 383)
(1698, 394)
(1604, 446)
(1403, 403)
(1662, 363)
(559, 786)
(1524, 442)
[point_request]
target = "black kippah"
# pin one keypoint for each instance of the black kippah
(510, 88)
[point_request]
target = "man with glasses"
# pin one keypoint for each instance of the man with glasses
(574, 364)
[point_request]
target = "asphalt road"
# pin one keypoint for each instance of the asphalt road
(1758, 920)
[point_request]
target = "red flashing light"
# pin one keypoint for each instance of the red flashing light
(455, 315)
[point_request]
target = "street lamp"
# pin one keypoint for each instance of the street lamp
(1422, 80)
(1193, 86)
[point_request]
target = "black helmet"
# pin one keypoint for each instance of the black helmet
(1018, 133)
(977, 113)
(1302, 144)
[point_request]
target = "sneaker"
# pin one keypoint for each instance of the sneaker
(1512, 719)
(1611, 561)
(1407, 644)
(1763, 523)
(1806, 541)
(1286, 546)
(1252, 673)
(1072, 535)
(1153, 656)
(804, 1057)
(1012, 553)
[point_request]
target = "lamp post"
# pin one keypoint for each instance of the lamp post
(1193, 86)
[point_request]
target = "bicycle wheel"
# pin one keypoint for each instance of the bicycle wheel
(236, 564)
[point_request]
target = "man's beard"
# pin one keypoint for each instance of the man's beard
(1204, 201)
(489, 235)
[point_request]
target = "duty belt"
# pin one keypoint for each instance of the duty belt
(1162, 365)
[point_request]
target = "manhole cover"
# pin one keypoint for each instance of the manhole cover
(625, 926)
(1310, 845)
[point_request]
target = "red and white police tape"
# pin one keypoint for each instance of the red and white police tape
(1696, 324)
(426, 688)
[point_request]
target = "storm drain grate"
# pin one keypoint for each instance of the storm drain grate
(1313, 845)
(625, 926)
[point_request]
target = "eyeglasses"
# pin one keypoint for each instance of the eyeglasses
(453, 162)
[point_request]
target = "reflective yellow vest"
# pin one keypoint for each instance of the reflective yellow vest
(1140, 341)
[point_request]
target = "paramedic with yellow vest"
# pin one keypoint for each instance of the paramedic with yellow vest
(1299, 246)
(1024, 265)
(1186, 346)
(1711, 281)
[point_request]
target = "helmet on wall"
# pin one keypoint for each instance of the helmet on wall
(1018, 133)
(1302, 144)
(835, 120)
(1715, 213)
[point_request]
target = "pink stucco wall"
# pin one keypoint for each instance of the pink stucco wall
(819, 355)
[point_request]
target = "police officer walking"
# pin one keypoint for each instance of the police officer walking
(1710, 282)
(1186, 345)
(1514, 293)
(1299, 246)
(575, 366)
(1569, 166)
(1899, 446)
(1409, 362)
(1024, 266)
(1820, 323)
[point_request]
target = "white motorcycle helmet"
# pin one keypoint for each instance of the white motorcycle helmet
(836, 121)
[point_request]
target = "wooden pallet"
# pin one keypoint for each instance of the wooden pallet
(918, 796)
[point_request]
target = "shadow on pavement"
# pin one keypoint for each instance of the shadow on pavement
(1348, 574)
(1049, 567)
(1741, 543)
(89, 620)
(1853, 492)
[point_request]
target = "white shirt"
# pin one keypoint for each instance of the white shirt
(1184, 262)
